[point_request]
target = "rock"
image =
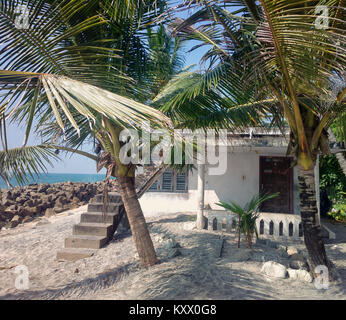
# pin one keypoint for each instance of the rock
(7, 215)
(169, 244)
(297, 261)
(174, 252)
(301, 275)
(274, 270)
(27, 219)
(282, 247)
(292, 250)
(282, 252)
(59, 209)
(11, 224)
(49, 213)
(297, 256)
(17, 218)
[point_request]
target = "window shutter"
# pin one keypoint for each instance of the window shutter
(181, 181)
(154, 186)
(167, 181)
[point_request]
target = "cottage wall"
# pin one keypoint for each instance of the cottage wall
(239, 183)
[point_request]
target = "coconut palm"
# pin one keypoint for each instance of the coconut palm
(277, 56)
(65, 67)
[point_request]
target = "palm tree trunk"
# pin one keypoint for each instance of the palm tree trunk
(310, 221)
(342, 162)
(140, 232)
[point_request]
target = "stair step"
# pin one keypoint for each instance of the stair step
(98, 207)
(88, 242)
(93, 229)
(73, 254)
(98, 217)
(112, 198)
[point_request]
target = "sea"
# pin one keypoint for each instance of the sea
(58, 177)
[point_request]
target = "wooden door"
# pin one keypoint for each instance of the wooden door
(276, 175)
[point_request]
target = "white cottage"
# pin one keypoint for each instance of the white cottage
(256, 162)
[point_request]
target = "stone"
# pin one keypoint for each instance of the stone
(59, 209)
(297, 264)
(298, 261)
(27, 219)
(274, 269)
(282, 252)
(49, 212)
(17, 218)
(11, 224)
(174, 252)
(292, 250)
(301, 275)
(7, 215)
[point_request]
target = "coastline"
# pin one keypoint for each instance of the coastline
(25, 204)
(52, 178)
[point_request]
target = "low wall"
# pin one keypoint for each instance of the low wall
(276, 226)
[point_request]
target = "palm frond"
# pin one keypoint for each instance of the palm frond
(27, 162)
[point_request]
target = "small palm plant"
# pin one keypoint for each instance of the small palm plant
(247, 215)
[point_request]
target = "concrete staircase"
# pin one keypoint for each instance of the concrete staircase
(95, 229)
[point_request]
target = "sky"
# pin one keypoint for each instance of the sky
(76, 163)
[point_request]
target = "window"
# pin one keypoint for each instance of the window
(171, 181)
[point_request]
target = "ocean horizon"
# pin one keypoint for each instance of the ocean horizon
(58, 177)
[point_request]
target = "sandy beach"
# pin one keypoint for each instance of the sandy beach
(198, 272)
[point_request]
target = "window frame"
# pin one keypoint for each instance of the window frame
(159, 182)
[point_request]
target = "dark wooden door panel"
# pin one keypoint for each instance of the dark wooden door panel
(276, 176)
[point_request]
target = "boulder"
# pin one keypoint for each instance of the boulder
(8, 215)
(292, 250)
(11, 224)
(174, 252)
(59, 209)
(274, 269)
(301, 275)
(17, 218)
(8, 203)
(49, 212)
(297, 261)
(282, 252)
(27, 219)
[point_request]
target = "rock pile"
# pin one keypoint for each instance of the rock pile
(20, 205)
(293, 265)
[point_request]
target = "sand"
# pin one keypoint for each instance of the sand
(114, 271)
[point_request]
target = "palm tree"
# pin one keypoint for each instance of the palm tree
(271, 57)
(248, 215)
(65, 68)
